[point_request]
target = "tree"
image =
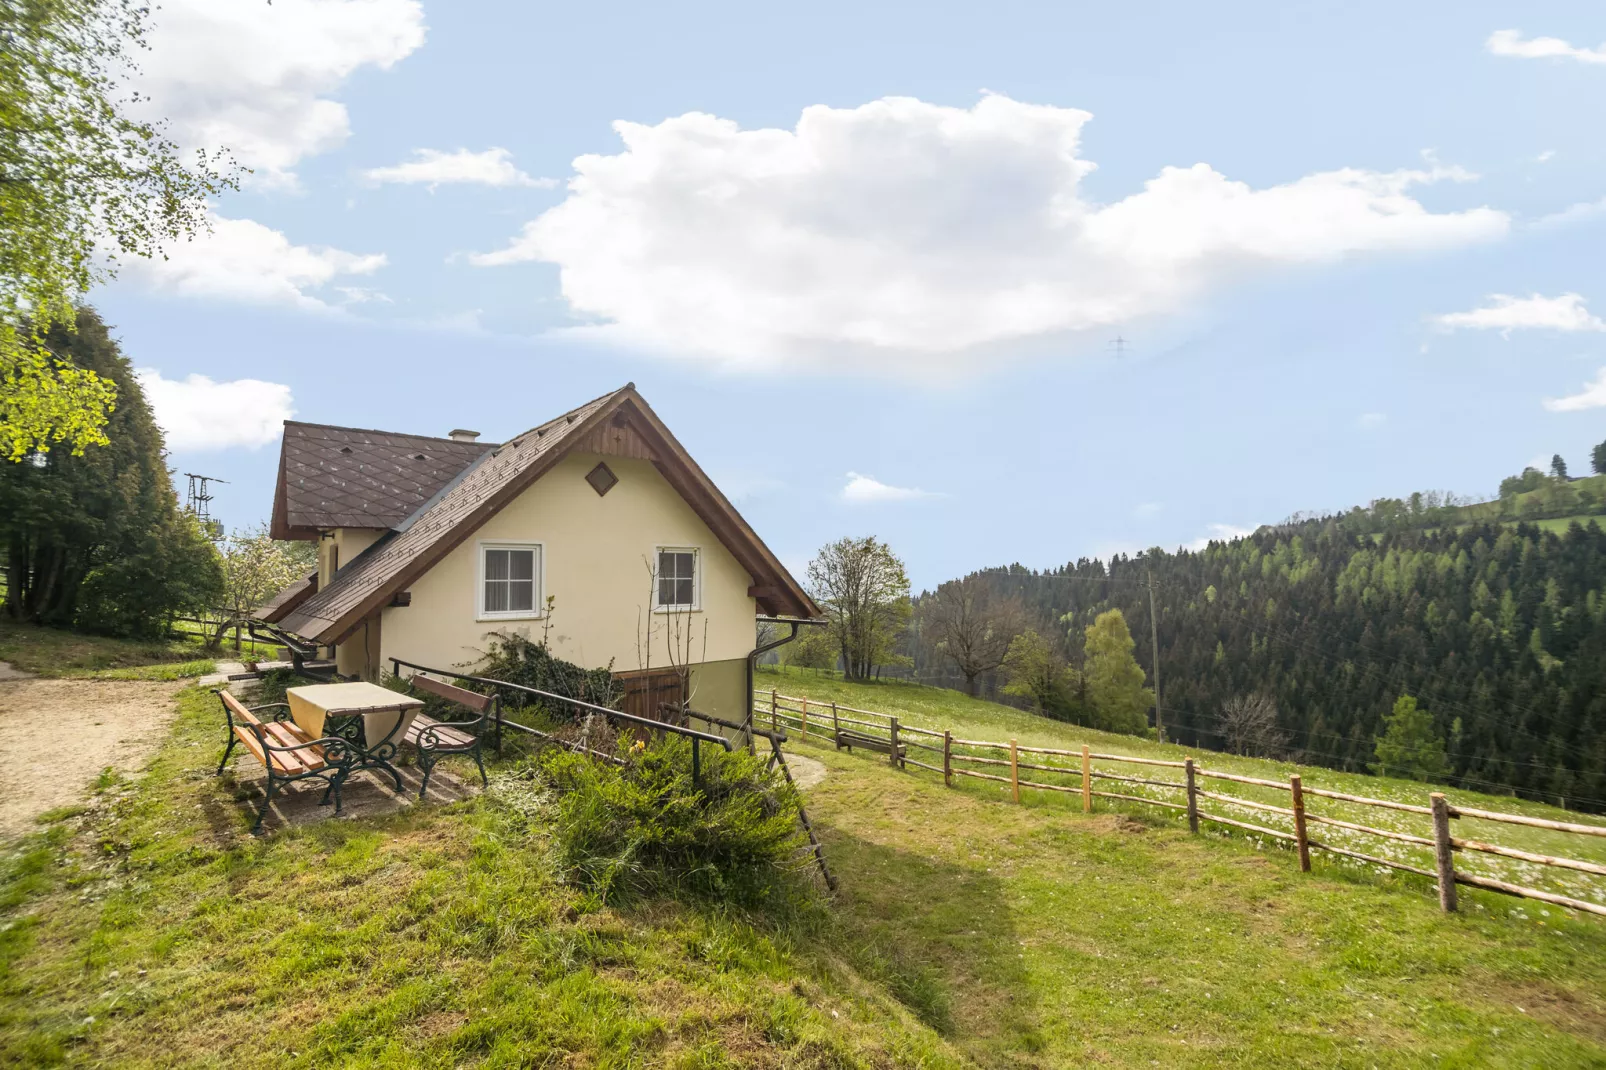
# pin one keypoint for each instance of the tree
(1558, 467)
(1115, 691)
(78, 177)
(256, 567)
(862, 586)
(1597, 459)
(971, 628)
(1530, 479)
(814, 648)
(1033, 670)
(1409, 747)
(97, 541)
(1249, 726)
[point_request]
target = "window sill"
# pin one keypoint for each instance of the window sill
(677, 609)
(496, 618)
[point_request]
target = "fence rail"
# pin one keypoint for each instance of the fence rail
(825, 721)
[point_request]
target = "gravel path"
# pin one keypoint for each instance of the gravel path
(57, 735)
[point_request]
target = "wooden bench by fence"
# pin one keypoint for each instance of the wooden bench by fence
(849, 739)
(439, 739)
(285, 750)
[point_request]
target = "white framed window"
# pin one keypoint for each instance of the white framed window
(679, 578)
(510, 580)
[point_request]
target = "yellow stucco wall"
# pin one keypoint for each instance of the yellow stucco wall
(339, 551)
(596, 552)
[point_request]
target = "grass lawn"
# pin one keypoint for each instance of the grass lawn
(939, 708)
(149, 930)
(54, 652)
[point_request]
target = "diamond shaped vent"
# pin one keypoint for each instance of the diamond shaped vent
(601, 478)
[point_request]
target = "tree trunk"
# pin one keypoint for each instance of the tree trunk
(970, 684)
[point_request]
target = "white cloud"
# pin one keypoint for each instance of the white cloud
(1546, 156)
(1219, 533)
(198, 413)
(1592, 396)
(493, 167)
(862, 489)
(242, 260)
(256, 77)
(362, 295)
(1574, 213)
(906, 233)
(1372, 419)
(1148, 509)
(1512, 43)
(1504, 313)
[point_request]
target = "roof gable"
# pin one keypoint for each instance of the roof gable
(620, 422)
(349, 477)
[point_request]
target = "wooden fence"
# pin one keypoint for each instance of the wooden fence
(950, 756)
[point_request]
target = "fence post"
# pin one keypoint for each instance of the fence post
(805, 720)
(836, 724)
(1193, 796)
(892, 751)
(773, 703)
(1014, 771)
(1087, 782)
(947, 758)
(1298, 793)
(1443, 852)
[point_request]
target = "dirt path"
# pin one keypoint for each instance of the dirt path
(57, 735)
(806, 771)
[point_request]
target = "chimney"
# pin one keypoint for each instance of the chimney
(461, 435)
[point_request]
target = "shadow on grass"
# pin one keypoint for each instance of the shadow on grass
(938, 936)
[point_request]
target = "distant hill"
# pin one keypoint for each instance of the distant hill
(1492, 614)
(1531, 496)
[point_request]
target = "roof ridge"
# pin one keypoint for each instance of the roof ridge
(400, 434)
(571, 412)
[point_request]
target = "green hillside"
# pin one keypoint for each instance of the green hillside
(944, 709)
(148, 930)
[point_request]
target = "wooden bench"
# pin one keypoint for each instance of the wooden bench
(849, 739)
(286, 751)
(438, 739)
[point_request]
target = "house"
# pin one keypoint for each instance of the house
(594, 531)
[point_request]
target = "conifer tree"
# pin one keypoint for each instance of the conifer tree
(97, 541)
(1409, 747)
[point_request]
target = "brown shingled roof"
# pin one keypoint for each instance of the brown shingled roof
(293, 595)
(349, 477)
(392, 564)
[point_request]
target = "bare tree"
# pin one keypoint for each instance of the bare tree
(1249, 724)
(864, 590)
(971, 627)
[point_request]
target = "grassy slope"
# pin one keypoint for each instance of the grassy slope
(939, 708)
(1045, 937)
(150, 930)
(55, 652)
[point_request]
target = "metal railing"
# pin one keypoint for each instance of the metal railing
(613, 716)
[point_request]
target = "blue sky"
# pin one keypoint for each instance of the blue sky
(867, 260)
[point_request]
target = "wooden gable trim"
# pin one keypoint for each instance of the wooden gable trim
(617, 438)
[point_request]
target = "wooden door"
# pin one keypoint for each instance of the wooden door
(658, 695)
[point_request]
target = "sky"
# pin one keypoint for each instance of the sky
(871, 262)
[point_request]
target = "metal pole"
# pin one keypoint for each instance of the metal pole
(1154, 642)
(696, 762)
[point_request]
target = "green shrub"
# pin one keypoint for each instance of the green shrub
(643, 827)
(517, 660)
